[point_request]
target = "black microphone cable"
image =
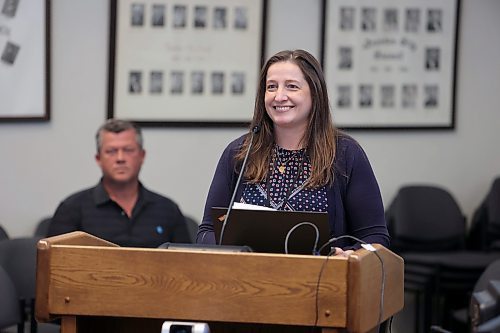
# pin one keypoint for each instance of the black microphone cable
(332, 251)
(314, 252)
(255, 130)
(366, 246)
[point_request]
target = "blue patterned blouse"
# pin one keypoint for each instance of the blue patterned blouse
(284, 188)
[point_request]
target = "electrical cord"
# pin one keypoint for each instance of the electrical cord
(366, 246)
(332, 251)
(314, 252)
(390, 324)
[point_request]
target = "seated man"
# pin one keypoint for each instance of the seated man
(120, 209)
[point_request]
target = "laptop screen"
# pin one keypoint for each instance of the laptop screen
(266, 230)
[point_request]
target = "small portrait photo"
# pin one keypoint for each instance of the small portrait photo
(365, 95)
(156, 82)
(217, 83)
(180, 16)
(10, 52)
(176, 82)
(391, 22)
(137, 14)
(345, 58)
(431, 93)
(158, 15)
(346, 18)
(434, 20)
(412, 20)
(368, 19)
(387, 95)
(197, 82)
(9, 8)
(200, 16)
(344, 96)
(220, 18)
(432, 55)
(238, 83)
(135, 82)
(409, 95)
(240, 18)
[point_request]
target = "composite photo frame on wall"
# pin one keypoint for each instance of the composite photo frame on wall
(391, 64)
(185, 62)
(24, 60)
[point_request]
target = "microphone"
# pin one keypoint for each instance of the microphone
(255, 130)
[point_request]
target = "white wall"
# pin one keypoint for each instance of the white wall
(43, 163)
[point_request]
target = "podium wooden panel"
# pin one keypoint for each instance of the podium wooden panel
(96, 286)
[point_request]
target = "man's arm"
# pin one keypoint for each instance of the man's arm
(67, 218)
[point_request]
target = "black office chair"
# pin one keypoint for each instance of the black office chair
(485, 227)
(425, 218)
(192, 227)
(493, 229)
(9, 302)
(3, 233)
(417, 224)
(428, 230)
(18, 258)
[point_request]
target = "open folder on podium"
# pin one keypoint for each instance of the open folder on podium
(267, 230)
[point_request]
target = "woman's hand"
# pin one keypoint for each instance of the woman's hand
(340, 252)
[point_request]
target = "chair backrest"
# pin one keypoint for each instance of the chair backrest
(9, 302)
(192, 227)
(18, 258)
(3, 233)
(485, 225)
(493, 204)
(425, 218)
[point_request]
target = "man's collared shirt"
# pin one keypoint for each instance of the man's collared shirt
(155, 219)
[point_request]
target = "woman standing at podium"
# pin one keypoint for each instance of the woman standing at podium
(298, 160)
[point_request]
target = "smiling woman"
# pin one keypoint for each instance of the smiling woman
(298, 160)
(288, 102)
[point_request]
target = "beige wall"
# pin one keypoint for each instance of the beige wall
(43, 163)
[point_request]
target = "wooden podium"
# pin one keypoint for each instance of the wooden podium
(96, 286)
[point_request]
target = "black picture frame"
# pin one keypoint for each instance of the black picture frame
(185, 63)
(392, 64)
(25, 61)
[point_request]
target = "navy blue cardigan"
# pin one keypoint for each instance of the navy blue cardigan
(354, 202)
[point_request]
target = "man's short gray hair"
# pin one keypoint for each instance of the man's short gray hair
(117, 126)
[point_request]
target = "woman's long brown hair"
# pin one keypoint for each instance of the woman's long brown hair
(319, 138)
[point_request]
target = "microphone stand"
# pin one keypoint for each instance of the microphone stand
(255, 130)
